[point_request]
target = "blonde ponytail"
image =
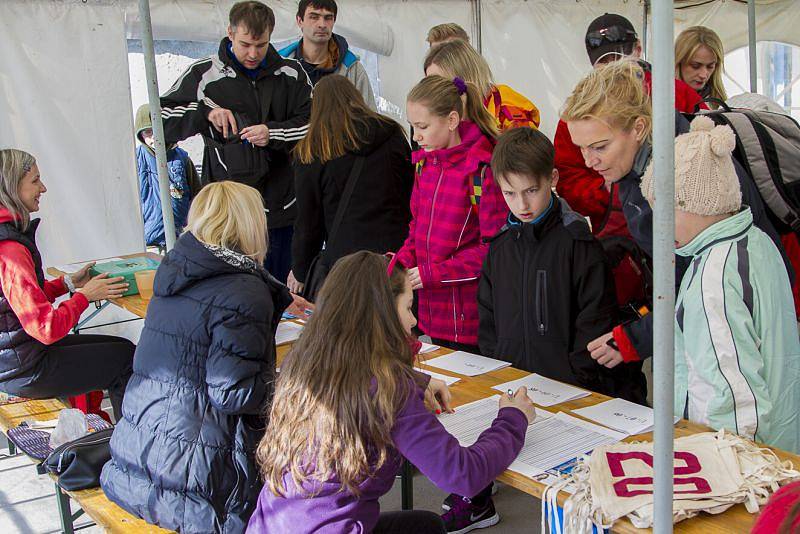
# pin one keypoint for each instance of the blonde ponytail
(442, 96)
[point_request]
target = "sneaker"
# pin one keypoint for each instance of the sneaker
(464, 516)
(450, 499)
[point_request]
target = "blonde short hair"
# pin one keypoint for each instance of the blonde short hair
(445, 32)
(14, 165)
(457, 58)
(230, 215)
(687, 43)
(613, 94)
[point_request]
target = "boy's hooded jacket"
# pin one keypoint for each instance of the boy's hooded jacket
(546, 291)
(184, 183)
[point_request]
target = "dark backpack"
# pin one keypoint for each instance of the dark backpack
(768, 147)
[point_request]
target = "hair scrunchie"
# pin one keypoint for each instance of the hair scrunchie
(460, 84)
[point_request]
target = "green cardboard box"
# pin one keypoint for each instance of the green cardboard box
(126, 268)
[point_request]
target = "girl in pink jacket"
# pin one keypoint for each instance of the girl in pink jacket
(456, 207)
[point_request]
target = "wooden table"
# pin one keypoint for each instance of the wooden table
(135, 304)
(735, 520)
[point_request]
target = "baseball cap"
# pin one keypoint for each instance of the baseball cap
(609, 33)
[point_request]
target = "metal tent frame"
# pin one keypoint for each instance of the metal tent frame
(663, 217)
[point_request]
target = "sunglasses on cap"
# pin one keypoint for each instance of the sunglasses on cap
(614, 34)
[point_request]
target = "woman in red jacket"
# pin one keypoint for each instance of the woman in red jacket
(455, 207)
(39, 358)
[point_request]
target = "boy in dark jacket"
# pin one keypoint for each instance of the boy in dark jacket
(546, 289)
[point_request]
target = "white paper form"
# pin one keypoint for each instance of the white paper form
(427, 347)
(551, 440)
(75, 267)
(621, 415)
(449, 380)
(287, 332)
(469, 420)
(558, 439)
(544, 391)
(466, 363)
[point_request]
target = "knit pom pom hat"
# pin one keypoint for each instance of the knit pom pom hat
(705, 179)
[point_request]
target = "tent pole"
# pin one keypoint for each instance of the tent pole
(645, 13)
(478, 24)
(158, 126)
(663, 259)
(751, 34)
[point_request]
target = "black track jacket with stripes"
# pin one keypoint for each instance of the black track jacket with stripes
(279, 97)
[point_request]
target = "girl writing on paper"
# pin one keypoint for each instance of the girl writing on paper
(348, 406)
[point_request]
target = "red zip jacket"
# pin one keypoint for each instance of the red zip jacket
(447, 235)
(33, 305)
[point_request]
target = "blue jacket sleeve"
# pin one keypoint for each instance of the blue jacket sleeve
(237, 369)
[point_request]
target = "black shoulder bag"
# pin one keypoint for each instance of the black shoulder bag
(320, 267)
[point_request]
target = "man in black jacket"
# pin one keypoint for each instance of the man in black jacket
(546, 289)
(251, 106)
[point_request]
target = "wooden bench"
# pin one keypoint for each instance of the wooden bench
(92, 502)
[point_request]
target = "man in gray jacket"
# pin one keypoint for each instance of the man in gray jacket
(322, 52)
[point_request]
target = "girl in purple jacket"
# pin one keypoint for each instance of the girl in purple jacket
(348, 407)
(456, 207)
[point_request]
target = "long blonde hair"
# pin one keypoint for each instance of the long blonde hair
(613, 94)
(341, 384)
(688, 42)
(339, 117)
(441, 96)
(230, 215)
(14, 165)
(458, 58)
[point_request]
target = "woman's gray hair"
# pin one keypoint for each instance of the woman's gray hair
(14, 164)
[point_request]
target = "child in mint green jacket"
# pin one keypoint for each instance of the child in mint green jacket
(737, 351)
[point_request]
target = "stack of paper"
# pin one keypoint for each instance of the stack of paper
(287, 332)
(427, 347)
(544, 391)
(466, 363)
(449, 380)
(550, 441)
(621, 415)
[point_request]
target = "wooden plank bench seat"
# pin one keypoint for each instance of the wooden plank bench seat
(92, 502)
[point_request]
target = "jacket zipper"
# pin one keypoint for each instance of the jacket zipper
(430, 226)
(541, 302)
(525, 321)
(455, 287)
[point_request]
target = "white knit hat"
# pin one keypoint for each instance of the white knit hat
(705, 179)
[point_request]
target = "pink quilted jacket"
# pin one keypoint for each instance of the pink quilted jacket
(448, 234)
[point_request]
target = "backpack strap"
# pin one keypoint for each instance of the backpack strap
(476, 186)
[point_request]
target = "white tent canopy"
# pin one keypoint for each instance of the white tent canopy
(64, 90)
